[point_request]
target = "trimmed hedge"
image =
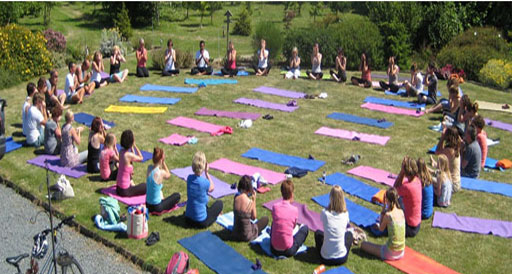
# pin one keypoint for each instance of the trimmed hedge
(272, 35)
(497, 73)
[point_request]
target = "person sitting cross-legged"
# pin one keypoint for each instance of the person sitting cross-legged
(157, 173)
(202, 61)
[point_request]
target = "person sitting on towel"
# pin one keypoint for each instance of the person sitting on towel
(170, 61)
(471, 154)
(84, 76)
(156, 174)
(408, 186)
(392, 72)
(415, 87)
(316, 63)
(36, 118)
(294, 68)
(74, 93)
(427, 190)
(197, 212)
(115, 64)
(129, 154)
(202, 61)
(481, 137)
(97, 69)
(244, 209)
(339, 74)
(97, 136)
(142, 57)
(449, 145)
(230, 70)
(69, 156)
(366, 73)
(284, 220)
(392, 219)
(263, 67)
(450, 106)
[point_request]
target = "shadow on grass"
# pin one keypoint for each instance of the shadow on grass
(97, 178)
(310, 256)
(190, 25)
(359, 252)
(224, 234)
(17, 125)
(17, 134)
(179, 220)
(39, 151)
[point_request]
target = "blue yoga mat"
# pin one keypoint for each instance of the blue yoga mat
(352, 186)
(216, 254)
(486, 186)
(402, 92)
(149, 87)
(339, 270)
(86, 119)
(359, 215)
(489, 162)
(11, 145)
(395, 103)
(359, 120)
(149, 100)
(240, 73)
(283, 159)
(209, 81)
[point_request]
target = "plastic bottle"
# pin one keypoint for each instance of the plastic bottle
(319, 269)
(323, 176)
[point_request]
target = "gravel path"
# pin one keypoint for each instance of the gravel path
(17, 233)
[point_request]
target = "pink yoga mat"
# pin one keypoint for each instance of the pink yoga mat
(175, 139)
(306, 216)
(228, 166)
(214, 130)
(352, 135)
(377, 175)
(392, 110)
(135, 200)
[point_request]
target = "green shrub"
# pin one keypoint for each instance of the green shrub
(8, 79)
(109, 39)
(497, 73)
(243, 24)
(184, 59)
(272, 34)
(472, 49)
(134, 42)
(122, 22)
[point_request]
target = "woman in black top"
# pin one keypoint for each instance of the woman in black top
(115, 65)
(96, 138)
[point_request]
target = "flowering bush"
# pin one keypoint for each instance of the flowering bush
(497, 73)
(23, 52)
(109, 39)
(55, 41)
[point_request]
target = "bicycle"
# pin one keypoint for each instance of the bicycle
(66, 261)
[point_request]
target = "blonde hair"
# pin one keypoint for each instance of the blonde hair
(69, 116)
(115, 48)
(337, 200)
(295, 50)
(198, 163)
(423, 173)
(444, 166)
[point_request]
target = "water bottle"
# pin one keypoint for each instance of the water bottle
(319, 269)
(323, 176)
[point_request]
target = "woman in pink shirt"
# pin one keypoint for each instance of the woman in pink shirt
(230, 70)
(109, 159)
(142, 58)
(408, 186)
(129, 154)
(284, 216)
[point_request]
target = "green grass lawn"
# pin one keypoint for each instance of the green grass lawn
(291, 133)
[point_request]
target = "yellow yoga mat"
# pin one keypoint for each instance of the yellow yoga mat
(132, 109)
(493, 106)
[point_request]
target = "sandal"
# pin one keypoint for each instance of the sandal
(268, 117)
(153, 238)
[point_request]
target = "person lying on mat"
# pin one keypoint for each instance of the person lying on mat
(294, 68)
(156, 174)
(109, 159)
(339, 74)
(392, 73)
(69, 156)
(263, 67)
(50, 95)
(427, 190)
(481, 137)
(115, 64)
(391, 219)
(170, 61)
(408, 186)
(197, 212)
(31, 91)
(84, 76)
(142, 57)
(244, 209)
(366, 73)
(52, 133)
(36, 120)
(449, 145)
(316, 64)
(284, 220)
(471, 154)
(129, 154)
(415, 87)
(443, 183)
(431, 82)
(202, 61)
(334, 242)
(97, 69)
(96, 139)
(74, 93)
(230, 70)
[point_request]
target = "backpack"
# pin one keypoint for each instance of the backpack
(178, 263)
(137, 222)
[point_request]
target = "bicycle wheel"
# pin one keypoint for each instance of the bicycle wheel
(71, 267)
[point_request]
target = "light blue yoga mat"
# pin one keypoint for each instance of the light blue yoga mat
(264, 241)
(149, 100)
(486, 186)
(283, 159)
(227, 220)
(395, 103)
(489, 162)
(240, 73)
(150, 87)
(352, 186)
(209, 81)
(86, 119)
(11, 145)
(403, 92)
(359, 120)
(216, 254)
(359, 215)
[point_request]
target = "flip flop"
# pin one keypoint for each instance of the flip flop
(153, 238)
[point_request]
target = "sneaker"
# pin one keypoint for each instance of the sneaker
(268, 117)
(153, 238)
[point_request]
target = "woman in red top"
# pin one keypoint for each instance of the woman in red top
(366, 77)
(142, 57)
(230, 70)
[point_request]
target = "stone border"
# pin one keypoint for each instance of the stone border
(82, 229)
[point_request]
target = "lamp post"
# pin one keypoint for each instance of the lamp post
(228, 20)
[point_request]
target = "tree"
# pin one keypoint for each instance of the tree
(338, 6)
(243, 24)
(315, 10)
(213, 7)
(122, 21)
(440, 24)
(47, 11)
(10, 12)
(202, 6)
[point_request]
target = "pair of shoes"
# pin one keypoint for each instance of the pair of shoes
(310, 96)
(292, 103)
(381, 120)
(505, 106)
(356, 138)
(257, 265)
(352, 160)
(233, 186)
(153, 238)
(268, 117)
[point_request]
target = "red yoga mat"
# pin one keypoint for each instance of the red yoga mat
(414, 262)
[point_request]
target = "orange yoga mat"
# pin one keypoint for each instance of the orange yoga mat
(416, 263)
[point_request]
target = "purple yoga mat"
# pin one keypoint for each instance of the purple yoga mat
(264, 104)
(221, 188)
(54, 165)
(306, 216)
(473, 225)
(280, 92)
(135, 200)
(104, 75)
(498, 124)
(228, 114)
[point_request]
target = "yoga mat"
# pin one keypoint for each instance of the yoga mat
(472, 225)
(264, 104)
(352, 186)
(414, 262)
(239, 73)
(486, 186)
(104, 75)
(283, 159)
(280, 92)
(489, 162)
(498, 124)
(385, 76)
(54, 166)
(394, 103)
(214, 130)
(227, 220)
(402, 92)
(216, 254)
(359, 120)
(221, 188)
(264, 241)
(176, 207)
(146, 155)
(492, 106)
(135, 200)
(11, 145)
(209, 81)
(392, 110)
(149, 100)
(86, 119)
(139, 110)
(149, 87)
(359, 215)
(175, 139)
(306, 216)
(339, 270)
(374, 174)
(352, 135)
(228, 166)
(228, 114)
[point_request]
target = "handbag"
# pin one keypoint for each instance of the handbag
(137, 222)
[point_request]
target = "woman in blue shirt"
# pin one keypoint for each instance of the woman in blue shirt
(157, 173)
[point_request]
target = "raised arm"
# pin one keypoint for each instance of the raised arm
(212, 185)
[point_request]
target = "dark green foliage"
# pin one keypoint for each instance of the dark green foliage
(122, 21)
(272, 34)
(316, 10)
(440, 24)
(243, 24)
(338, 7)
(140, 13)
(8, 79)
(10, 12)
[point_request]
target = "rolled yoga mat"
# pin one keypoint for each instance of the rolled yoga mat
(280, 92)
(265, 104)
(228, 114)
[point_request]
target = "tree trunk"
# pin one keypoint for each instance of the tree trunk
(201, 24)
